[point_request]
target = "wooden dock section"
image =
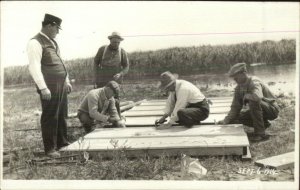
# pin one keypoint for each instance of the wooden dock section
(141, 136)
(196, 141)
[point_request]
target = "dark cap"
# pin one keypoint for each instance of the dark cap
(166, 79)
(237, 68)
(114, 86)
(53, 20)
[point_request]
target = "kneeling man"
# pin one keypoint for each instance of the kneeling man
(99, 106)
(253, 103)
(186, 104)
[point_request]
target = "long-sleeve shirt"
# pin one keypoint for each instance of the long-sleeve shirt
(254, 89)
(98, 106)
(185, 93)
(34, 52)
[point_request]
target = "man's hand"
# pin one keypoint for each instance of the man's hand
(222, 122)
(46, 94)
(160, 121)
(117, 76)
(69, 88)
(120, 124)
(164, 126)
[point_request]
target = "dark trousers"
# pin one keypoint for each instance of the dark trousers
(193, 113)
(53, 120)
(86, 121)
(257, 115)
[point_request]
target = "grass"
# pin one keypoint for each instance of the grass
(19, 113)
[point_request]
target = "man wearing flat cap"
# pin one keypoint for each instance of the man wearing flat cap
(98, 106)
(51, 78)
(253, 103)
(185, 105)
(111, 63)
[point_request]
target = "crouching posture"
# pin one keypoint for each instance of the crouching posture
(98, 106)
(185, 105)
(253, 103)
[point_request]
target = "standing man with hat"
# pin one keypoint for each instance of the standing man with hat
(99, 106)
(186, 104)
(51, 78)
(253, 103)
(111, 63)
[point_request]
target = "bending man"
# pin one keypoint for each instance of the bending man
(186, 104)
(99, 106)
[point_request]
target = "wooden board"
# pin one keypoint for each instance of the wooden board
(161, 107)
(281, 161)
(176, 131)
(149, 120)
(161, 112)
(162, 103)
(200, 140)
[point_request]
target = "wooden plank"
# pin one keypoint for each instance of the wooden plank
(246, 156)
(161, 112)
(162, 107)
(161, 142)
(160, 103)
(176, 131)
(203, 151)
(281, 161)
(149, 120)
(210, 98)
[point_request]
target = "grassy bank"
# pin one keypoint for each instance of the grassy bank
(21, 104)
(184, 60)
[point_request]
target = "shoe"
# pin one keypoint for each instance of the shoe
(267, 124)
(258, 138)
(53, 154)
(63, 145)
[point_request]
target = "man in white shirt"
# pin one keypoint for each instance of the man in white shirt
(186, 104)
(51, 78)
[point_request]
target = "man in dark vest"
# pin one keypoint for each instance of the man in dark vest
(51, 78)
(111, 63)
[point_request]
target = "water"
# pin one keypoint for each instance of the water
(281, 79)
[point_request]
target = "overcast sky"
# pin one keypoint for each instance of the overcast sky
(145, 25)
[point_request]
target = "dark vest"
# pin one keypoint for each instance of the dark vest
(52, 65)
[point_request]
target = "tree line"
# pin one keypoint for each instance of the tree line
(182, 60)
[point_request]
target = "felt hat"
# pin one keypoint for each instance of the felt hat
(167, 79)
(53, 20)
(114, 86)
(116, 35)
(237, 68)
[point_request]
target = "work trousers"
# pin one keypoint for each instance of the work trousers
(257, 114)
(193, 113)
(53, 118)
(86, 121)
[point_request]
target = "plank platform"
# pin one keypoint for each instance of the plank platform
(140, 136)
(279, 162)
(199, 140)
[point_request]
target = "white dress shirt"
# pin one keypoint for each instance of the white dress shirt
(185, 93)
(34, 52)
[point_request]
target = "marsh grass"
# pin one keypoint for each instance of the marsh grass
(21, 103)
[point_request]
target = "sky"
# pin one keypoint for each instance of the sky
(144, 25)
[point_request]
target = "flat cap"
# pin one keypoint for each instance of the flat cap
(53, 19)
(237, 68)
